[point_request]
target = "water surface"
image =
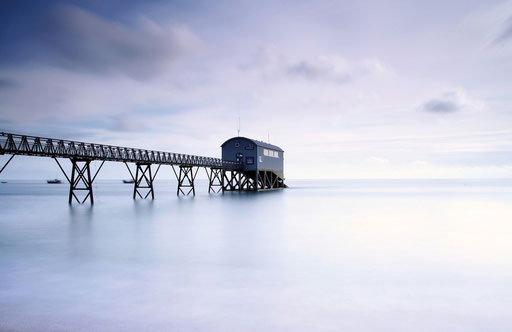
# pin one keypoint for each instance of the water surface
(344, 255)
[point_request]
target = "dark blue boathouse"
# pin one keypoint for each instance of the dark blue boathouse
(262, 163)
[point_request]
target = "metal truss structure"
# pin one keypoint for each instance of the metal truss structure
(80, 180)
(143, 179)
(215, 177)
(186, 177)
(237, 180)
(58, 148)
(269, 180)
(223, 175)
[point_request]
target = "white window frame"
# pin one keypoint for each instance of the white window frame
(271, 153)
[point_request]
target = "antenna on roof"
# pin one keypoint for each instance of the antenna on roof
(238, 126)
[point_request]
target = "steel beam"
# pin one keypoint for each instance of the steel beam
(7, 163)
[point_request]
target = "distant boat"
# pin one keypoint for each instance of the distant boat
(128, 181)
(54, 181)
(3, 181)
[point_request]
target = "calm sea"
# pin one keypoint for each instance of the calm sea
(324, 255)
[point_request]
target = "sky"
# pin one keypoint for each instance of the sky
(349, 89)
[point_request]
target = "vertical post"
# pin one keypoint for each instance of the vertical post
(186, 179)
(151, 183)
(223, 176)
(72, 181)
(81, 180)
(179, 184)
(143, 180)
(89, 180)
(209, 178)
(135, 181)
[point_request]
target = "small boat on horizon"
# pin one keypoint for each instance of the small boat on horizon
(3, 181)
(128, 181)
(54, 181)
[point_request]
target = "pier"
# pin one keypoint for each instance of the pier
(223, 174)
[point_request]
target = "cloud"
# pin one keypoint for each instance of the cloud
(441, 106)
(450, 102)
(127, 123)
(7, 83)
(336, 69)
(322, 68)
(78, 39)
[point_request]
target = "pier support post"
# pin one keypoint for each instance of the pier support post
(143, 180)
(233, 180)
(80, 180)
(262, 180)
(236, 180)
(215, 179)
(248, 182)
(223, 175)
(268, 180)
(186, 179)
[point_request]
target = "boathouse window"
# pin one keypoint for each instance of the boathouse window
(260, 159)
(249, 160)
(271, 153)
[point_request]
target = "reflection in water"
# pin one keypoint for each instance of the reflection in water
(322, 256)
(80, 231)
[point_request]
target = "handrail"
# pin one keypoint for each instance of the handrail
(60, 148)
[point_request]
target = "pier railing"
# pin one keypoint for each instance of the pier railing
(60, 148)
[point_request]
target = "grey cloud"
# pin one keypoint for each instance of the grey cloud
(312, 71)
(448, 102)
(127, 123)
(440, 106)
(324, 68)
(7, 83)
(506, 33)
(78, 39)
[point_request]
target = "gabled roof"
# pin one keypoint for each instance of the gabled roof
(257, 143)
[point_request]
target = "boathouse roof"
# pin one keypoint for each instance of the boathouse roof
(256, 142)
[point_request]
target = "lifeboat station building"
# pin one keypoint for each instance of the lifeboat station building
(262, 165)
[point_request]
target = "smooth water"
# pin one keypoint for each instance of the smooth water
(353, 255)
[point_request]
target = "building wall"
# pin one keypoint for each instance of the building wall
(230, 151)
(268, 162)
